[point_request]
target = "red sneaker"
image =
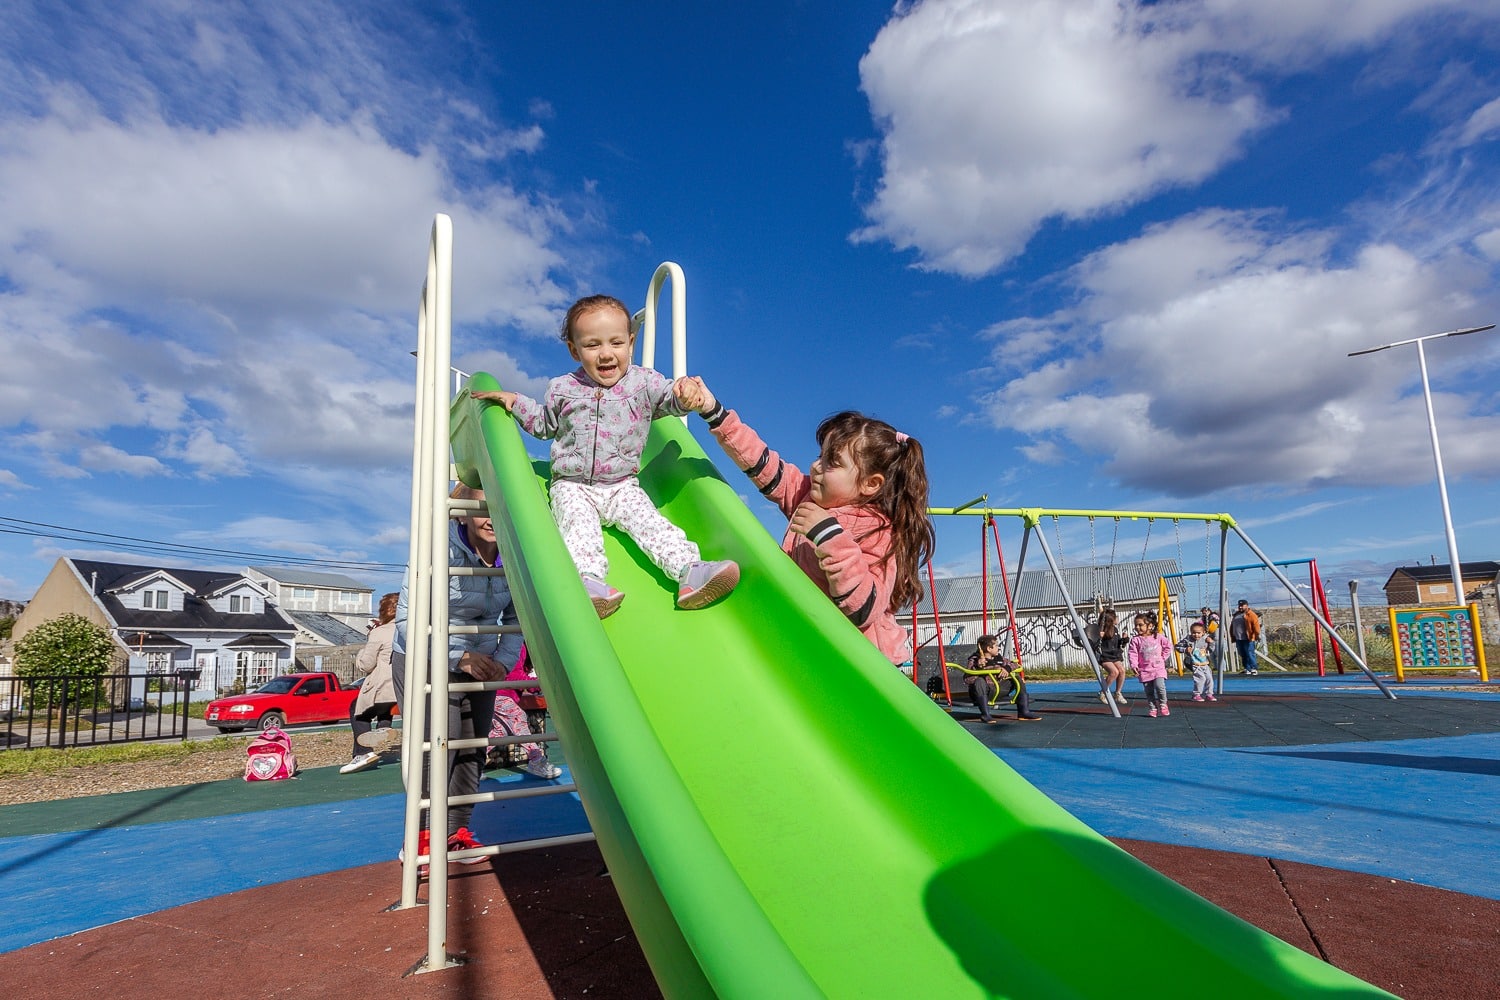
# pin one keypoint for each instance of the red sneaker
(463, 840)
(424, 847)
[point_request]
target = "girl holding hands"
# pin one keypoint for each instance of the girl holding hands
(857, 521)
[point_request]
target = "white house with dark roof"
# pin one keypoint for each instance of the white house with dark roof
(164, 619)
(333, 594)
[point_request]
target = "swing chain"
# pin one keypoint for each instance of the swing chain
(1109, 571)
(1093, 565)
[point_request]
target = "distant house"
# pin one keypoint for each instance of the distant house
(166, 620)
(315, 628)
(1044, 626)
(1434, 584)
(305, 590)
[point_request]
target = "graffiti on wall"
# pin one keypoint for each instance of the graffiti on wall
(1044, 634)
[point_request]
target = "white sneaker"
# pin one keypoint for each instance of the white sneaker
(1104, 697)
(606, 599)
(541, 767)
(1120, 699)
(381, 740)
(702, 583)
(360, 763)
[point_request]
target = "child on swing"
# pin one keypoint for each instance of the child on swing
(857, 523)
(597, 419)
(1149, 653)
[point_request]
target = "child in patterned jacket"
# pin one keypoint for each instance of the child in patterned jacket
(597, 419)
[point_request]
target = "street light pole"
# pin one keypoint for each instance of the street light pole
(1437, 452)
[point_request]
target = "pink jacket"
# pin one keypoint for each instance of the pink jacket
(1149, 655)
(845, 555)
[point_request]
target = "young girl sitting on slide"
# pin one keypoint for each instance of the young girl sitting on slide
(858, 523)
(597, 418)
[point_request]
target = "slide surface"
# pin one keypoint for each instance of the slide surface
(786, 815)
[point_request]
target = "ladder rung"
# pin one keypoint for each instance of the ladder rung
(527, 685)
(484, 630)
(516, 845)
(529, 792)
(476, 570)
(495, 741)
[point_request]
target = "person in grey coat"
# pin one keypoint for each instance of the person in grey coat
(472, 600)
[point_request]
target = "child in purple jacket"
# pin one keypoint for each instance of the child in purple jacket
(1149, 653)
(597, 419)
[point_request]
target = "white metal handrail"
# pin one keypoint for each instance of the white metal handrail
(645, 319)
(428, 688)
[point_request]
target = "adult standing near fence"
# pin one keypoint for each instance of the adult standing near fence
(472, 600)
(377, 695)
(1244, 629)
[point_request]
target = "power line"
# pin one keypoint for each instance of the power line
(149, 546)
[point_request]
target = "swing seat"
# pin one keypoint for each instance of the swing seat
(1000, 681)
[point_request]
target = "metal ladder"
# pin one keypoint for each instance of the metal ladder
(428, 629)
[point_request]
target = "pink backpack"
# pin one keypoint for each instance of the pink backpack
(270, 757)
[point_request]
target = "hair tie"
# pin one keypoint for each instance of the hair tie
(902, 438)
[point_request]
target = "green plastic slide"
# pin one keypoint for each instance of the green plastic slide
(785, 815)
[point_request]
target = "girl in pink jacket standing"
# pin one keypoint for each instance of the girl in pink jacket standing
(1149, 653)
(858, 522)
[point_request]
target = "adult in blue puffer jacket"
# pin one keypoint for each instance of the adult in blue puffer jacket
(472, 600)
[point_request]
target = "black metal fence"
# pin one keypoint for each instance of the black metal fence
(75, 710)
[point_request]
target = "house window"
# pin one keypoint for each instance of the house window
(239, 603)
(157, 663)
(302, 593)
(255, 667)
(349, 597)
(154, 599)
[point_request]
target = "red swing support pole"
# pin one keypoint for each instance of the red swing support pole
(937, 629)
(1010, 608)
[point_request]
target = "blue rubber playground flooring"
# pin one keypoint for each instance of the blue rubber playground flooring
(1325, 772)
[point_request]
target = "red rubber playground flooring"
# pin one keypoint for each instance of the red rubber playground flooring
(548, 923)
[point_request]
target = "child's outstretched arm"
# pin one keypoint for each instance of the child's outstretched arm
(781, 482)
(504, 397)
(540, 420)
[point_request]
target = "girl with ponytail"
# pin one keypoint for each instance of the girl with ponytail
(858, 522)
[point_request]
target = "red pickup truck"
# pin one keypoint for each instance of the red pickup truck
(284, 700)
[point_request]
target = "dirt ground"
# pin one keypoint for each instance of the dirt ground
(313, 750)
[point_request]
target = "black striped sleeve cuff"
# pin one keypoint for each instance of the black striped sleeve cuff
(824, 530)
(716, 416)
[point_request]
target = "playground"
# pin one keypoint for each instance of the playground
(1318, 811)
(811, 823)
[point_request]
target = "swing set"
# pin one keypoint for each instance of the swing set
(1319, 598)
(1032, 518)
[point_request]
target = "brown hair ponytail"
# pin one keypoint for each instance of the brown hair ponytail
(877, 447)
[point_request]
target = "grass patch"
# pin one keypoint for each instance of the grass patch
(46, 761)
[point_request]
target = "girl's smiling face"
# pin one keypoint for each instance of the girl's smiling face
(601, 341)
(836, 481)
(1142, 626)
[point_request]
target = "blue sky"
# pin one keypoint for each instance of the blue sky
(1091, 254)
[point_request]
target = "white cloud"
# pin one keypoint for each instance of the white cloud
(1211, 353)
(210, 456)
(10, 481)
(273, 272)
(107, 458)
(997, 115)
